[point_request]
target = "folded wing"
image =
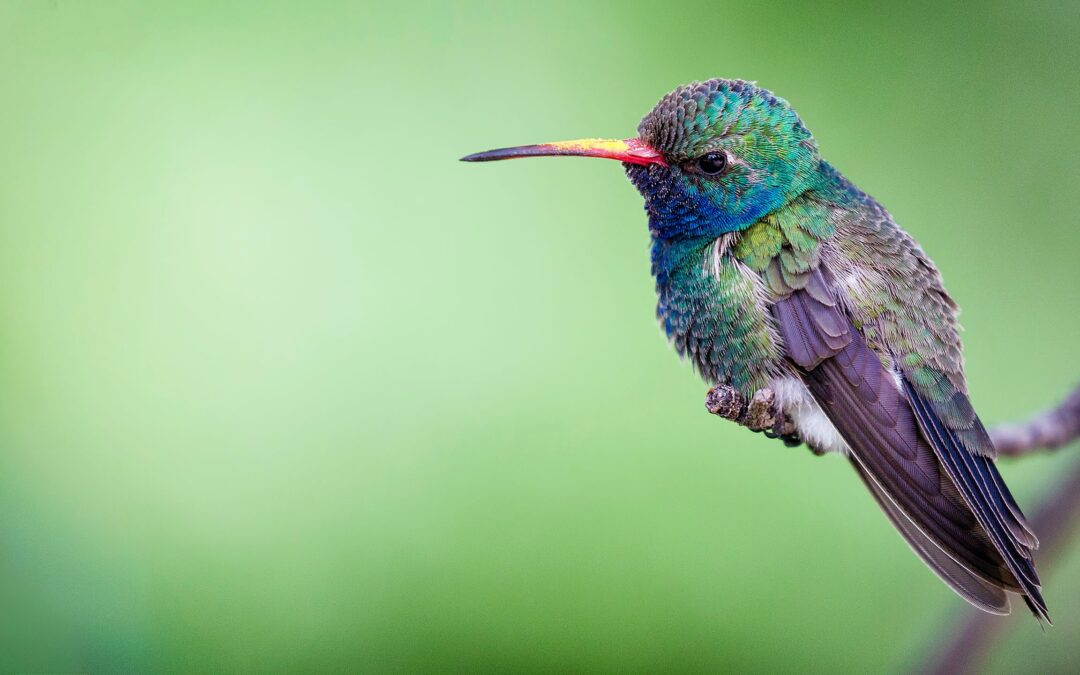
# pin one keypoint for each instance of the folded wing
(949, 504)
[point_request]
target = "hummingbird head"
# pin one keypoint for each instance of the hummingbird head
(711, 157)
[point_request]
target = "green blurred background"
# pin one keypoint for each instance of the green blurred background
(284, 386)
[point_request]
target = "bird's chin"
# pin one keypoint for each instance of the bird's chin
(633, 170)
(647, 178)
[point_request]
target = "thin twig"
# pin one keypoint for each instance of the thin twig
(1048, 431)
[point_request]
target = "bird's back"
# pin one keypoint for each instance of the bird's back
(873, 336)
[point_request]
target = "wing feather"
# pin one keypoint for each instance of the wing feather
(948, 503)
(990, 500)
(971, 587)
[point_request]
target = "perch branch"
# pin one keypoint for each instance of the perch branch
(1048, 431)
(760, 413)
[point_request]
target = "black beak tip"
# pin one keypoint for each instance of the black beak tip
(478, 157)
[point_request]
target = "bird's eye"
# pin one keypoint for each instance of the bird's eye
(712, 163)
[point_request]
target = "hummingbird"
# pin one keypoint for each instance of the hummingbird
(775, 271)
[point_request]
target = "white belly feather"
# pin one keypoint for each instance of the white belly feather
(811, 423)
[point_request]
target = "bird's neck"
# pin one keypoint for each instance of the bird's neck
(708, 286)
(759, 237)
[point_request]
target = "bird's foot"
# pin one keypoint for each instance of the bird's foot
(760, 414)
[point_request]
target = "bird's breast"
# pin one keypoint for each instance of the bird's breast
(715, 312)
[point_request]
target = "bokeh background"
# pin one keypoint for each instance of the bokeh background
(284, 386)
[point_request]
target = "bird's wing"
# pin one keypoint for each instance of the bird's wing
(974, 589)
(950, 504)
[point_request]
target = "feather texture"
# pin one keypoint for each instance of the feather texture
(948, 503)
(779, 269)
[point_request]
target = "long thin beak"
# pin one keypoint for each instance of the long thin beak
(631, 151)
